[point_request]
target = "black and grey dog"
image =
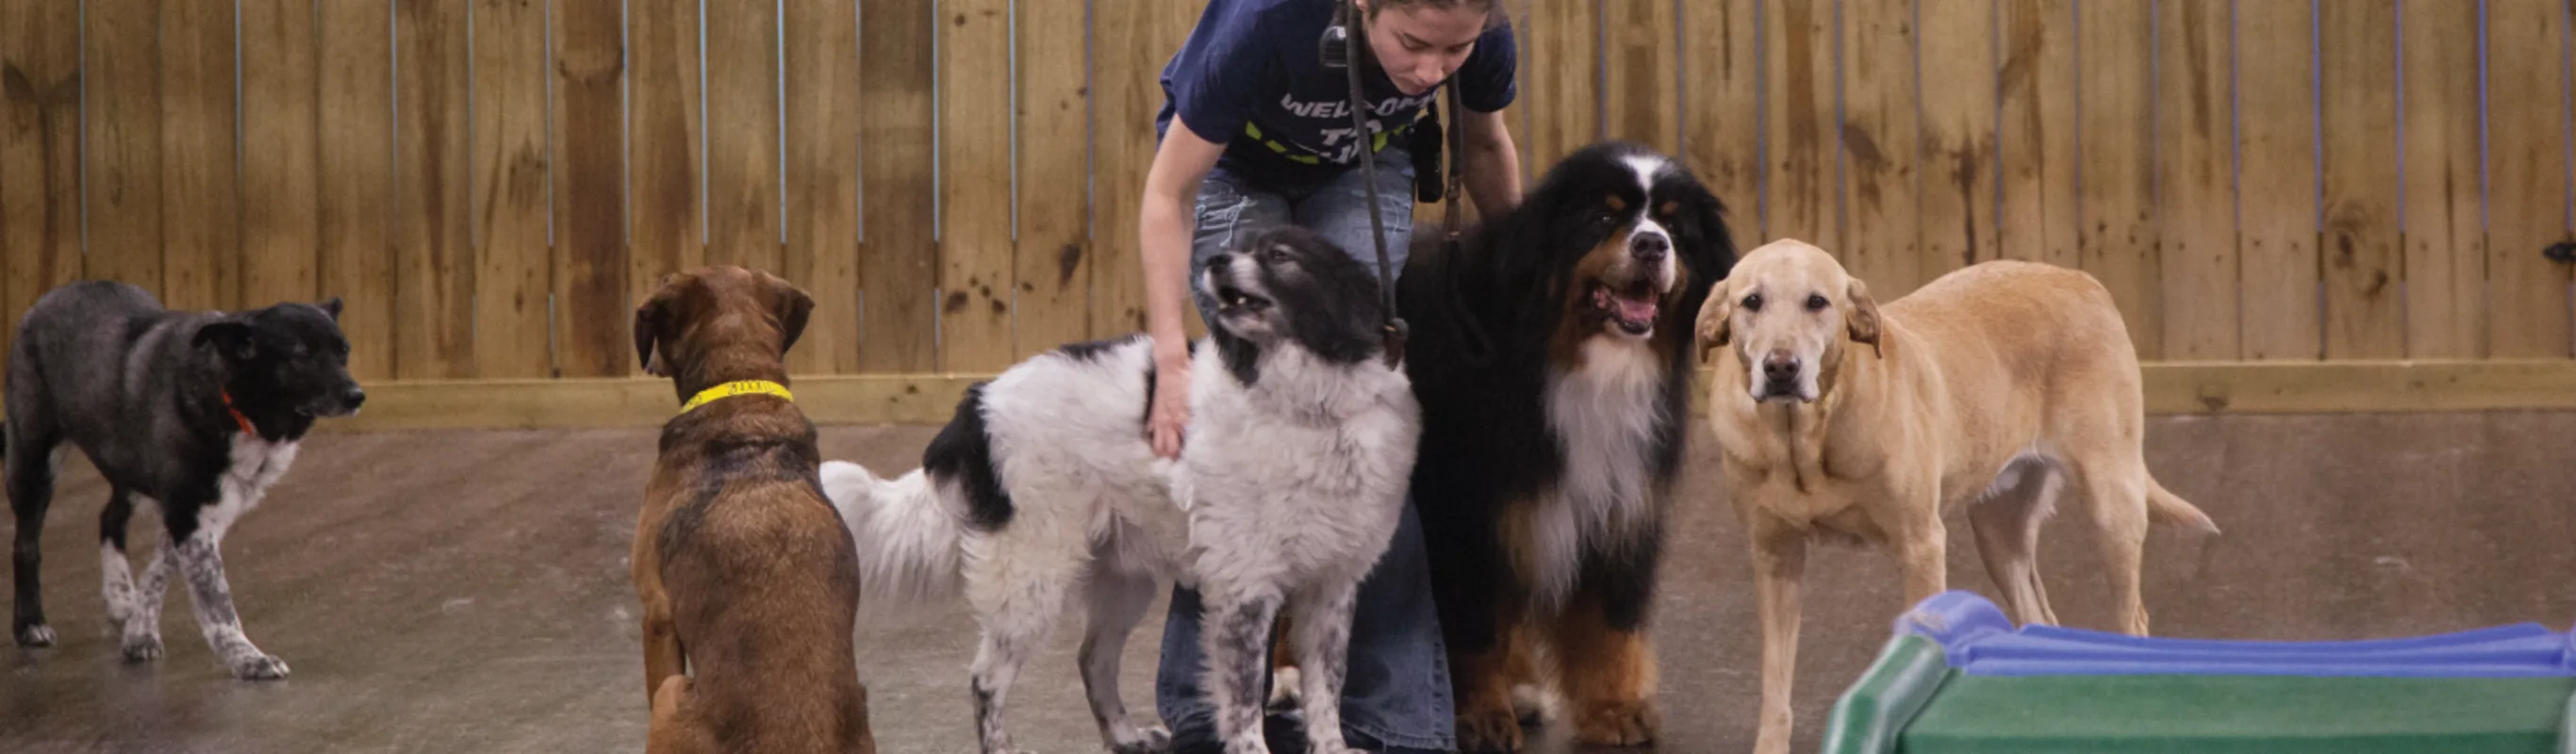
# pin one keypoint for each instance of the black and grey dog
(198, 412)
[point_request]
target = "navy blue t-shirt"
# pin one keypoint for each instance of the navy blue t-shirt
(1250, 77)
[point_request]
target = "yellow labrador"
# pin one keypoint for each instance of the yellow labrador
(1841, 418)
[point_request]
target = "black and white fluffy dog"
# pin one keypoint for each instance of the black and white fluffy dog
(197, 412)
(1287, 491)
(1552, 360)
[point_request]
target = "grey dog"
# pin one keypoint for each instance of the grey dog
(196, 412)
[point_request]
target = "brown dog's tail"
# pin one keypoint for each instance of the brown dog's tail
(907, 540)
(2164, 507)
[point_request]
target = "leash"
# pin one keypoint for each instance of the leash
(1393, 327)
(1477, 348)
(737, 388)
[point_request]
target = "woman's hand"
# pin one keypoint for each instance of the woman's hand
(1171, 409)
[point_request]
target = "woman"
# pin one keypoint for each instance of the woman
(1265, 136)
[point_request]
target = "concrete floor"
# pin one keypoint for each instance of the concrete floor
(467, 591)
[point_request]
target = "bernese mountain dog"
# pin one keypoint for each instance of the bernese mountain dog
(1551, 357)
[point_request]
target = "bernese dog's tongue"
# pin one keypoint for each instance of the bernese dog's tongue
(1635, 310)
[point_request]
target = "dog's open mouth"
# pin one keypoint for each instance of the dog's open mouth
(1230, 298)
(1633, 306)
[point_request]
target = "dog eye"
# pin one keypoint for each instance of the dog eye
(1753, 303)
(1816, 302)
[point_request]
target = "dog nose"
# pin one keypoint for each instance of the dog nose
(1218, 260)
(1780, 366)
(1649, 247)
(354, 397)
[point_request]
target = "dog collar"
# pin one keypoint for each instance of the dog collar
(238, 418)
(735, 388)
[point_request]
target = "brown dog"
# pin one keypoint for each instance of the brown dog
(1840, 419)
(747, 576)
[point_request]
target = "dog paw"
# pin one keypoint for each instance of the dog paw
(37, 635)
(1495, 730)
(1284, 694)
(1537, 705)
(1618, 724)
(143, 647)
(259, 667)
(1152, 740)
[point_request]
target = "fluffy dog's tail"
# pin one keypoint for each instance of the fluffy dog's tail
(907, 540)
(2164, 507)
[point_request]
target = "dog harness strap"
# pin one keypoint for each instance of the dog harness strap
(246, 427)
(739, 387)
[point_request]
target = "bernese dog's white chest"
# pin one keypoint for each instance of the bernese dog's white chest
(1604, 413)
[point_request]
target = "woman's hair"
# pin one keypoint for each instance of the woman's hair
(1494, 15)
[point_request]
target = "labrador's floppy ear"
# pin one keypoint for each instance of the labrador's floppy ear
(1862, 318)
(1715, 325)
(793, 308)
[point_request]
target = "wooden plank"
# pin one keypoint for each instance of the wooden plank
(742, 133)
(1722, 135)
(357, 192)
(915, 399)
(2035, 138)
(40, 171)
(513, 286)
(434, 253)
(1799, 189)
(897, 261)
(1642, 70)
(924, 399)
(200, 200)
(1123, 95)
(2307, 387)
(1054, 251)
(1123, 112)
(281, 201)
(1562, 82)
(2364, 311)
(2195, 191)
(2527, 164)
(2117, 235)
(2444, 203)
(1882, 139)
(2277, 242)
(976, 268)
(121, 141)
(823, 158)
(592, 330)
(666, 229)
(1958, 162)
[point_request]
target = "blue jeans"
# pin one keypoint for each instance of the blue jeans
(1396, 695)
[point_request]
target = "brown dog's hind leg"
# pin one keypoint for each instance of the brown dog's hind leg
(662, 656)
(1608, 672)
(669, 734)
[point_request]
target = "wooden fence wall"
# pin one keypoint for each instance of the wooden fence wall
(491, 183)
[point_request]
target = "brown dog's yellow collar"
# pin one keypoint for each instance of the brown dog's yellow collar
(740, 387)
